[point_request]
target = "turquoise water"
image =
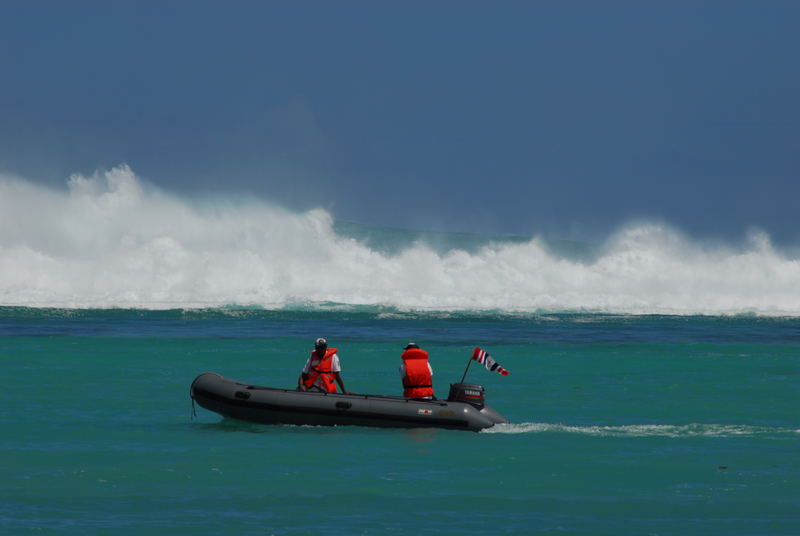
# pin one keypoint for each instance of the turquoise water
(619, 425)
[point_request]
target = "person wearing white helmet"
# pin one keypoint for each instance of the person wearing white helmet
(322, 370)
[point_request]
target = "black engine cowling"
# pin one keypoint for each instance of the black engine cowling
(467, 392)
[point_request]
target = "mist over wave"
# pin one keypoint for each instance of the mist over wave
(112, 240)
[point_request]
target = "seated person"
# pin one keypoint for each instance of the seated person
(416, 373)
(321, 372)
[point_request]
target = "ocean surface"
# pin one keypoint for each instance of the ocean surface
(654, 385)
(620, 424)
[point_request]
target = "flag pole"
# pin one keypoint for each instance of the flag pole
(466, 369)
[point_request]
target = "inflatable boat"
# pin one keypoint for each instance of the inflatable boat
(464, 408)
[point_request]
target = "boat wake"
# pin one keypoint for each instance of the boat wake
(643, 430)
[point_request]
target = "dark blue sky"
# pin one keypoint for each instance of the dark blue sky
(562, 117)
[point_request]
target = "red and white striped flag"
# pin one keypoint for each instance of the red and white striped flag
(482, 357)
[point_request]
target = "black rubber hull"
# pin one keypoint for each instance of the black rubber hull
(265, 405)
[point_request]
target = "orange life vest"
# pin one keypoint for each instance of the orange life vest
(417, 382)
(322, 368)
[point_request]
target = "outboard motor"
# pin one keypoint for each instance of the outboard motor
(467, 392)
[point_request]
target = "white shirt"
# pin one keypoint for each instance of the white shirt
(335, 365)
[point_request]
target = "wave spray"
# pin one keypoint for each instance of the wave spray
(112, 240)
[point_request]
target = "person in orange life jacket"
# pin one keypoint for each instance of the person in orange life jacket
(416, 373)
(321, 372)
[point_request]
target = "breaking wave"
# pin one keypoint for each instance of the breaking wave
(113, 240)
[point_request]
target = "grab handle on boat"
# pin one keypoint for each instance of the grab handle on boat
(343, 405)
(243, 395)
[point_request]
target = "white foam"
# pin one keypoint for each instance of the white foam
(641, 430)
(112, 240)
